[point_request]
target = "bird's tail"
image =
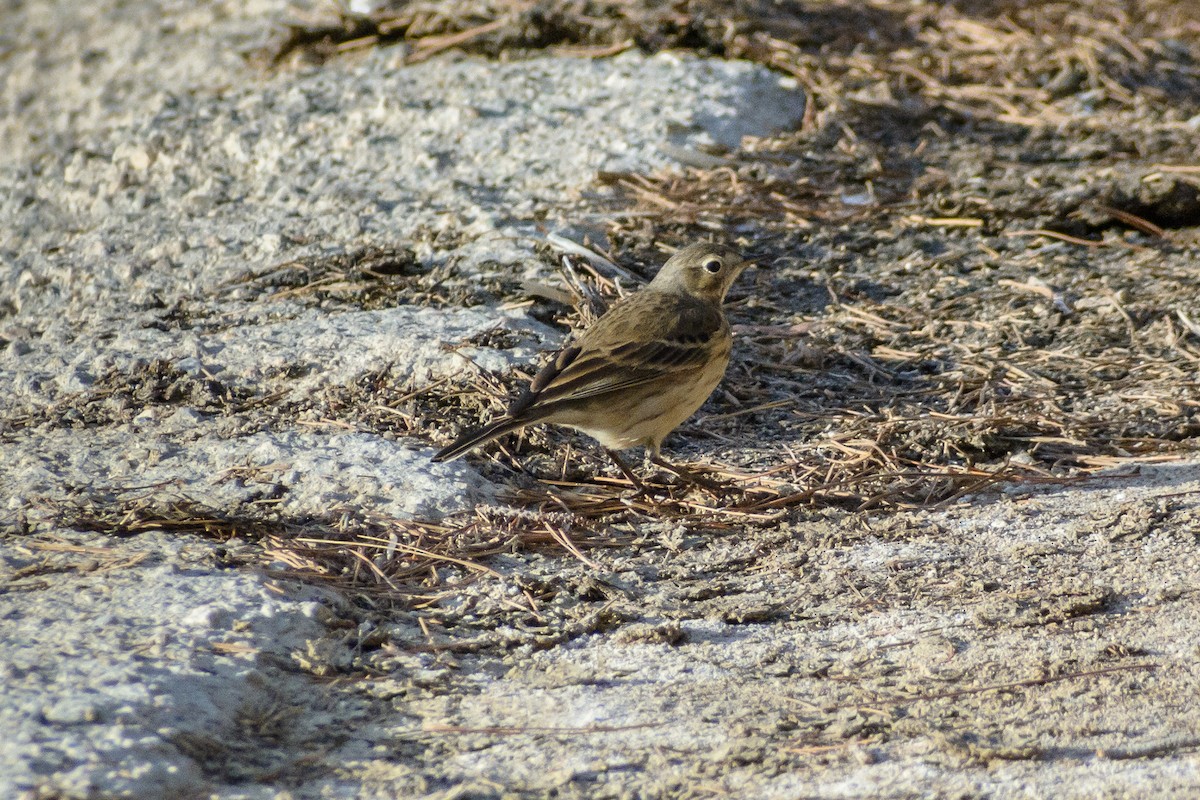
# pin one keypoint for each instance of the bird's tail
(472, 439)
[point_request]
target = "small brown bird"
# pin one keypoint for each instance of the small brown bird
(643, 368)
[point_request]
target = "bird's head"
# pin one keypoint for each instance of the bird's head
(703, 270)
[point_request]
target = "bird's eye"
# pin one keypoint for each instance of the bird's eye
(713, 265)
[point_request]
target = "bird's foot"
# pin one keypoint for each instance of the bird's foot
(683, 475)
(687, 475)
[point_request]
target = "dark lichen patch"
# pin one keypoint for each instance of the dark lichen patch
(119, 395)
(370, 278)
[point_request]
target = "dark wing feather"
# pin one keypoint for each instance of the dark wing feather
(546, 375)
(672, 335)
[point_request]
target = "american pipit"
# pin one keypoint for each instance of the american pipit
(642, 369)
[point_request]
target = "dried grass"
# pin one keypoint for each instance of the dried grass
(379, 559)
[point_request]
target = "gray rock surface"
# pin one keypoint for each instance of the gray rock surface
(121, 664)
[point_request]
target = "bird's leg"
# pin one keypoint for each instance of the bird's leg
(629, 474)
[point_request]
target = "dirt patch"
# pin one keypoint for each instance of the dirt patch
(1016, 639)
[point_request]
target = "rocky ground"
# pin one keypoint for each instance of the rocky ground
(262, 259)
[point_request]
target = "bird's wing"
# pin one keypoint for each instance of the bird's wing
(670, 336)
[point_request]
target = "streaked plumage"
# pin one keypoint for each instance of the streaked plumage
(642, 369)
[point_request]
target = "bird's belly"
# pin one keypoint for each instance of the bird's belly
(644, 415)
